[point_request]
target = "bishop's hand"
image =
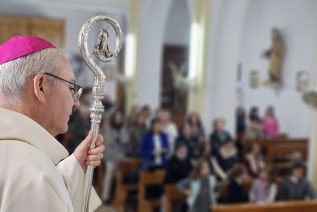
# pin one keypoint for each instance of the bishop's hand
(89, 157)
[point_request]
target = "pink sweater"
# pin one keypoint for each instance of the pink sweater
(270, 127)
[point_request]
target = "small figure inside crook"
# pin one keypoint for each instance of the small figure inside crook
(101, 48)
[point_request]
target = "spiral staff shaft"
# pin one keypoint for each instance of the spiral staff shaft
(102, 53)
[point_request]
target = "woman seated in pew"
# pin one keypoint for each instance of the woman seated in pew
(179, 166)
(225, 159)
(296, 186)
(219, 135)
(264, 189)
(116, 138)
(206, 154)
(254, 127)
(270, 125)
(199, 188)
(137, 129)
(186, 138)
(154, 147)
(236, 189)
(254, 161)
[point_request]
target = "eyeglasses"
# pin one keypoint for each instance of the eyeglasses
(76, 89)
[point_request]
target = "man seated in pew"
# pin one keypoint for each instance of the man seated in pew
(236, 189)
(264, 189)
(199, 188)
(296, 186)
(179, 166)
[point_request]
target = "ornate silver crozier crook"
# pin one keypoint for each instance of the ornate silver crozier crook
(101, 52)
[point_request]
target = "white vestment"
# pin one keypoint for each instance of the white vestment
(35, 172)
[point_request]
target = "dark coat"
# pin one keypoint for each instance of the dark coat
(236, 193)
(217, 139)
(191, 144)
(177, 170)
(296, 191)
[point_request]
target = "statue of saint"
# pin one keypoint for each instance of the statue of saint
(275, 55)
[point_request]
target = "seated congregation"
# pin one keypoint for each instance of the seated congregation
(150, 165)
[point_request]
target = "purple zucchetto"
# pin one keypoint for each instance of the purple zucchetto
(19, 46)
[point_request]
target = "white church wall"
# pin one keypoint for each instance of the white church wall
(177, 28)
(153, 17)
(223, 52)
(242, 34)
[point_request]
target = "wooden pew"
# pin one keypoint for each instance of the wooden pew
(223, 190)
(172, 194)
(291, 206)
(125, 168)
(278, 151)
(147, 179)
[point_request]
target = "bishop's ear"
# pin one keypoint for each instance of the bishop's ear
(39, 87)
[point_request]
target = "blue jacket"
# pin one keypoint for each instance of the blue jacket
(147, 148)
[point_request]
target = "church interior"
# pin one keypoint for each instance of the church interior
(209, 105)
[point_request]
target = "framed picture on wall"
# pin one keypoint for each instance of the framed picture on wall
(254, 79)
(302, 81)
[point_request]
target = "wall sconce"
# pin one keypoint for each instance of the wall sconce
(302, 81)
(254, 79)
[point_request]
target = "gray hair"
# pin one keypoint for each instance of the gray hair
(15, 74)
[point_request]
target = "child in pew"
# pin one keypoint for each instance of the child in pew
(296, 186)
(179, 166)
(199, 188)
(236, 189)
(264, 189)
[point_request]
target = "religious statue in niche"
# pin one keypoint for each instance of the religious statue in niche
(174, 83)
(275, 56)
(181, 84)
(179, 75)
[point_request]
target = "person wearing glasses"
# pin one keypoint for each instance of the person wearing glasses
(37, 95)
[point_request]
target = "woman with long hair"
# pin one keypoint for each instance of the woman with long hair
(116, 139)
(264, 189)
(199, 188)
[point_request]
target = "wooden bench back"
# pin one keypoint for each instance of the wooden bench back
(129, 165)
(278, 149)
(291, 206)
(149, 179)
(223, 190)
(125, 168)
(172, 194)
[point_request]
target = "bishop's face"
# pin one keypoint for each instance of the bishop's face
(61, 101)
